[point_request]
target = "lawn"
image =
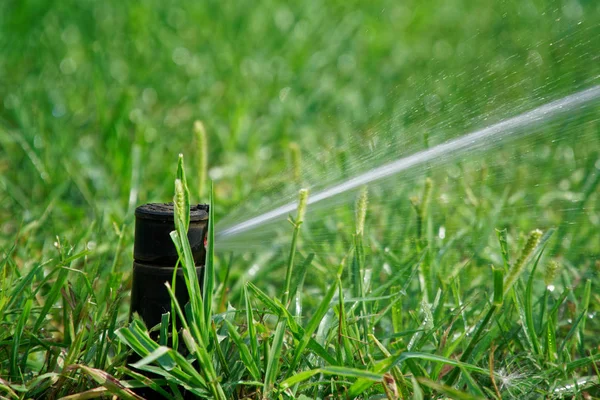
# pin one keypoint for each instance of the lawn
(472, 275)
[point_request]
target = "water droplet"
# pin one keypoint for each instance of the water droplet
(284, 19)
(58, 110)
(387, 268)
(149, 96)
(572, 10)
(253, 270)
(136, 115)
(70, 35)
(181, 56)
(442, 232)
(119, 70)
(68, 66)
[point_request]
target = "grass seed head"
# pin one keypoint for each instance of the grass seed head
(361, 210)
(179, 199)
(302, 202)
(551, 271)
(532, 241)
(202, 150)
(199, 128)
(295, 160)
(426, 195)
(517, 269)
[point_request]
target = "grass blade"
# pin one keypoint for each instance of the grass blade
(302, 202)
(209, 268)
(502, 239)
(251, 328)
(312, 326)
(498, 286)
(164, 329)
(585, 304)
(191, 279)
(273, 362)
(447, 390)
(17, 336)
(337, 371)
(529, 322)
(245, 355)
(112, 384)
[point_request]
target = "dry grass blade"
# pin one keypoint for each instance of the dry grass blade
(109, 382)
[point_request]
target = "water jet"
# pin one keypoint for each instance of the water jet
(520, 125)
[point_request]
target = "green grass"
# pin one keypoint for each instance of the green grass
(97, 99)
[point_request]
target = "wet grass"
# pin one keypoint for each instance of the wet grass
(377, 301)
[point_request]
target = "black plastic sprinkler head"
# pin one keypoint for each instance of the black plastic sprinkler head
(154, 260)
(155, 256)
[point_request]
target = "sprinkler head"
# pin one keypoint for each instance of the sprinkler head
(154, 260)
(155, 257)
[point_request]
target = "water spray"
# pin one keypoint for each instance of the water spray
(496, 133)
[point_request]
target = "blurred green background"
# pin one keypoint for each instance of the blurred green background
(92, 90)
